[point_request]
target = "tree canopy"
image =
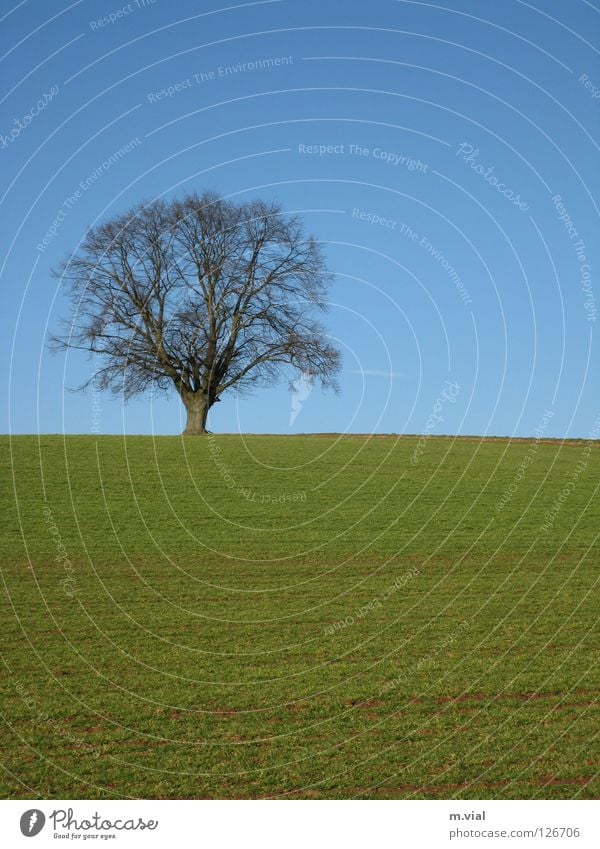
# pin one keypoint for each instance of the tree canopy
(201, 295)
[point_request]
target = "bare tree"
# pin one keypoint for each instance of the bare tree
(202, 295)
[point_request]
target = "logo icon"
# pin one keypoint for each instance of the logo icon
(32, 822)
(301, 389)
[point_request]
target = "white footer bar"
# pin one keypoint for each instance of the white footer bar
(301, 824)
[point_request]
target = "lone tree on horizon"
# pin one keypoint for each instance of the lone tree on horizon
(200, 295)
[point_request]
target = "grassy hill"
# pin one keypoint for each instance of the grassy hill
(299, 616)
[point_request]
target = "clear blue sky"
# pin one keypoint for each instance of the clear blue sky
(461, 88)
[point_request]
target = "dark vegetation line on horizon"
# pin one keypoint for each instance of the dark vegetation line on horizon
(547, 440)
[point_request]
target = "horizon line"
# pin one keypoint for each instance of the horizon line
(319, 434)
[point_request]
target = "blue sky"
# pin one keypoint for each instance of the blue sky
(424, 144)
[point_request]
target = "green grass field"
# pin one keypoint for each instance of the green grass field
(312, 617)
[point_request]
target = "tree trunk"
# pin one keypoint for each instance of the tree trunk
(197, 408)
